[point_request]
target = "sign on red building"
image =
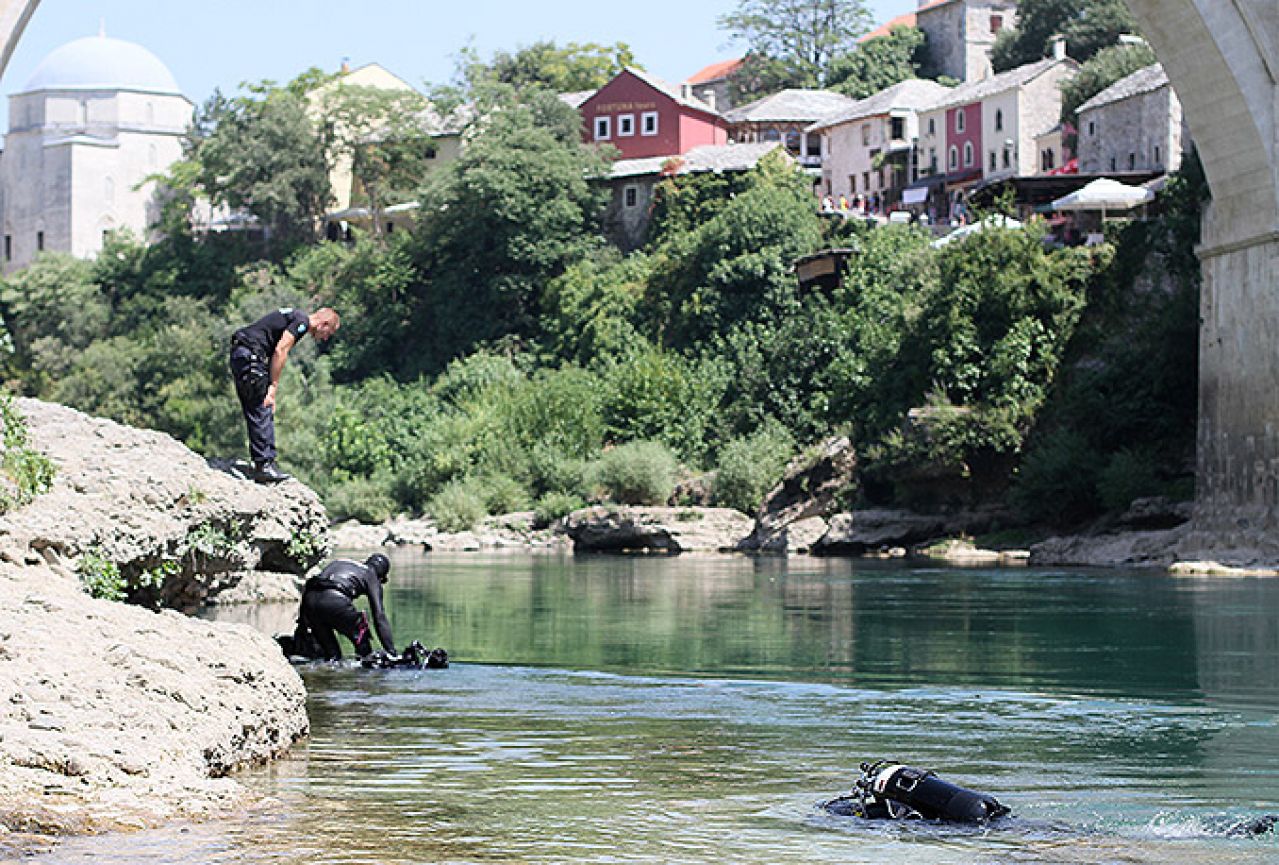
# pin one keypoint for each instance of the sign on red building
(643, 116)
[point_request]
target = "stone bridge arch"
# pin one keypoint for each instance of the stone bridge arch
(1222, 60)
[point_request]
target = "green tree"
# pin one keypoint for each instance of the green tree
(575, 66)
(509, 215)
(1087, 26)
(802, 36)
(382, 135)
(263, 154)
(878, 63)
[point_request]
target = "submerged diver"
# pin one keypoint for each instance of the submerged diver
(896, 792)
(328, 605)
(891, 791)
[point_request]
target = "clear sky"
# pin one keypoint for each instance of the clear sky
(220, 44)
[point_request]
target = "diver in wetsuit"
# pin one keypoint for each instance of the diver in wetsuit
(328, 605)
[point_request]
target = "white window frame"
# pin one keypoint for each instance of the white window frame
(959, 120)
(603, 127)
(644, 123)
(625, 125)
(630, 195)
(954, 157)
(968, 154)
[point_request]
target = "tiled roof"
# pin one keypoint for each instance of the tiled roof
(715, 72)
(799, 106)
(1142, 81)
(915, 94)
(975, 91)
(671, 90)
(708, 157)
(907, 20)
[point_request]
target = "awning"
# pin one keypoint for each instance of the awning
(915, 196)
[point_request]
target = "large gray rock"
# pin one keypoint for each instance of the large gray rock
(878, 528)
(113, 716)
(659, 529)
(139, 498)
(807, 490)
(1156, 548)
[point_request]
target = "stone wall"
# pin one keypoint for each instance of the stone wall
(1141, 133)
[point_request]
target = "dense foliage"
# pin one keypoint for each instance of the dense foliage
(501, 356)
(1088, 26)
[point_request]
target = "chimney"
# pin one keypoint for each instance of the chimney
(1059, 48)
(346, 65)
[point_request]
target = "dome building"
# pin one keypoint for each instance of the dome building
(97, 117)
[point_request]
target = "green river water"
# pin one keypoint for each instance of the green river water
(650, 709)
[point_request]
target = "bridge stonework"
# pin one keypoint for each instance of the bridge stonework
(1221, 58)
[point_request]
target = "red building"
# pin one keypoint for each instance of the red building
(643, 116)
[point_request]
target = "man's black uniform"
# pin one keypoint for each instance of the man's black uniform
(328, 606)
(252, 347)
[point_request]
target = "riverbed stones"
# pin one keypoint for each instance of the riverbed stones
(140, 498)
(656, 529)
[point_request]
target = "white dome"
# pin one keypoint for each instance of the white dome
(102, 63)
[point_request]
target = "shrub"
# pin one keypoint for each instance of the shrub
(750, 466)
(101, 577)
(458, 506)
(553, 506)
(503, 494)
(1128, 475)
(368, 500)
(27, 472)
(637, 473)
(1058, 479)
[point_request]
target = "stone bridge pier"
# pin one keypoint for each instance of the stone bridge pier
(1222, 60)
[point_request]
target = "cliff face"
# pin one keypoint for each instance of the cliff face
(113, 715)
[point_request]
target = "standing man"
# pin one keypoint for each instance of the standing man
(258, 353)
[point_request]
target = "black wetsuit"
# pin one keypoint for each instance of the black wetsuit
(328, 606)
(252, 347)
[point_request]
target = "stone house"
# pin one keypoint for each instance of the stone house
(787, 117)
(633, 182)
(961, 34)
(643, 116)
(95, 120)
(1135, 124)
(870, 146)
(713, 84)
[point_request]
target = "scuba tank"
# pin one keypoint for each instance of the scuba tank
(893, 791)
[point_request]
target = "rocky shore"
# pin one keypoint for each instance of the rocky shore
(115, 715)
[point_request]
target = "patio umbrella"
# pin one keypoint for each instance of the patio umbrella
(1104, 194)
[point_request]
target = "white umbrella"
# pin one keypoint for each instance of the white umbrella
(1104, 194)
(995, 221)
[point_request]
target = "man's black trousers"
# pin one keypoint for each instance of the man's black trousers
(252, 379)
(327, 610)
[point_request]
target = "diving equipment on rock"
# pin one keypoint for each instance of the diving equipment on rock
(897, 792)
(415, 656)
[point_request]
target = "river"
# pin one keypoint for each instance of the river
(652, 709)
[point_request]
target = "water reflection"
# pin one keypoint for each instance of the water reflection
(695, 710)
